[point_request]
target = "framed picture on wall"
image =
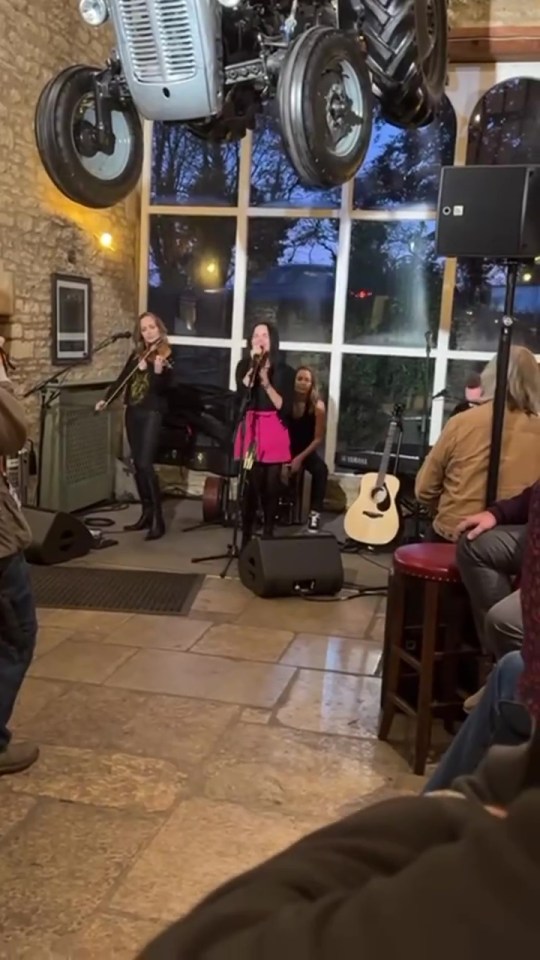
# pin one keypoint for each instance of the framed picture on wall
(71, 319)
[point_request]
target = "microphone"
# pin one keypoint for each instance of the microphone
(259, 359)
(122, 335)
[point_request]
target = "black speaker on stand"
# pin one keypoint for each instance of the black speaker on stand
(492, 212)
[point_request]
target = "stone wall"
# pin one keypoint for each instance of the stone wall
(41, 232)
(494, 13)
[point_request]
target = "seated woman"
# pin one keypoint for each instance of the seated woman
(452, 481)
(306, 430)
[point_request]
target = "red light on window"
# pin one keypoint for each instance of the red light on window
(361, 294)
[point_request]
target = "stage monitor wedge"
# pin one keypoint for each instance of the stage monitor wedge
(489, 212)
(56, 537)
(289, 566)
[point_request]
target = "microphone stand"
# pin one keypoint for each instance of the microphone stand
(47, 397)
(232, 552)
(499, 400)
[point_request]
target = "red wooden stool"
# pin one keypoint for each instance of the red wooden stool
(435, 565)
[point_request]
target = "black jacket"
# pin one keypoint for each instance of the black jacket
(434, 878)
(282, 379)
(144, 389)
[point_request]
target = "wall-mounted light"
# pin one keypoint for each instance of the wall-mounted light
(106, 241)
(527, 277)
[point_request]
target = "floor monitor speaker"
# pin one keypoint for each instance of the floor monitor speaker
(289, 566)
(489, 212)
(56, 537)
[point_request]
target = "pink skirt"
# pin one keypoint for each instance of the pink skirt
(269, 437)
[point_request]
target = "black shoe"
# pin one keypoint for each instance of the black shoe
(144, 522)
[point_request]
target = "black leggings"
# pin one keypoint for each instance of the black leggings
(262, 488)
(315, 465)
(143, 428)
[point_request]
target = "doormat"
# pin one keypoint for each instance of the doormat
(125, 591)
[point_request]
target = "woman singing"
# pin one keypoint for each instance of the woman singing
(266, 386)
(145, 400)
(306, 431)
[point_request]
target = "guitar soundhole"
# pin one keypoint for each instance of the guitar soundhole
(381, 498)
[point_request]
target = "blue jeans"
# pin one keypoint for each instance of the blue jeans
(498, 719)
(18, 632)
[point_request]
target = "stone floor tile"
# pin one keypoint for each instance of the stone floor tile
(301, 772)
(214, 599)
(34, 696)
(253, 715)
(181, 730)
(94, 621)
(208, 678)
(154, 632)
(108, 936)
(138, 784)
(60, 863)
(14, 808)
(50, 637)
(332, 703)
(175, 871)
(244, 643)
(348, 618)
(333, 653)
(83, 662)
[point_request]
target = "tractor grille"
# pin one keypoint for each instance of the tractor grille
(159, 39)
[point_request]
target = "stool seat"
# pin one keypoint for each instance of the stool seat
(428, 561)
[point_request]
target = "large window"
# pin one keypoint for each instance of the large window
(350, 276)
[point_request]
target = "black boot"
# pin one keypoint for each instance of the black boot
(157, 526)
(145, 519)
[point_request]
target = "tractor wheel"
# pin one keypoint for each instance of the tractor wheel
(407, 54)
(65, 130)
(325, 106)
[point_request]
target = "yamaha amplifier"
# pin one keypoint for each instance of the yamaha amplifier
(488, 211)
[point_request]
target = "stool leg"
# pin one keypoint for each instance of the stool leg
(425, 691)
(394, 660)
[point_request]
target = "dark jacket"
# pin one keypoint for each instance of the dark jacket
(144, 389)
(515, 511)
(425, 877)
(282, 379)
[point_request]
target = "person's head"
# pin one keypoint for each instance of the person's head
(523, 382)
(473, 389)
(149, 328)
(264, 338)
(305, 386)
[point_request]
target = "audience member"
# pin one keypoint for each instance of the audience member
(18, 624)
(452, 481)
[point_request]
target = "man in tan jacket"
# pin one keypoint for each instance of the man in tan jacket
(18, 623)
(452, 481)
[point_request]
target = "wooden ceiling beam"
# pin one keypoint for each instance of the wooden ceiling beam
(494, 44)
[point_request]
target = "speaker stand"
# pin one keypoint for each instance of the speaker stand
(499, 400)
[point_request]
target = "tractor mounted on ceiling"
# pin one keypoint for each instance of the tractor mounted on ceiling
(213, 65)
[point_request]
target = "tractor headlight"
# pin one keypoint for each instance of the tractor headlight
(94, 12)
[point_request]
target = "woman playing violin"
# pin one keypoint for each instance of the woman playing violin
(146, 377)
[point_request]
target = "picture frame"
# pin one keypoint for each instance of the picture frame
(71, 319)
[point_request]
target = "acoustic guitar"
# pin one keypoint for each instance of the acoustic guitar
(373, 518)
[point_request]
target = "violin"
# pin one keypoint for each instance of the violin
(160, 348)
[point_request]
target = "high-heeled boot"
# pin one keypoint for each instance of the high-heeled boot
(157, 525)
(145, 519)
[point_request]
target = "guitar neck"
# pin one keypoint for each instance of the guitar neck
(385, 459)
